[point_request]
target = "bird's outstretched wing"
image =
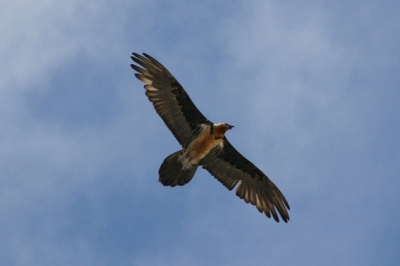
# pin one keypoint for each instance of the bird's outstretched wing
(169, 98)
(228, 166)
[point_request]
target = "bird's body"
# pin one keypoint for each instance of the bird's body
(208, 138)
(204, 143)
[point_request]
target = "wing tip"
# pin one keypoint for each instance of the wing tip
(271, 205)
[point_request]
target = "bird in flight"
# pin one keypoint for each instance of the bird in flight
(203, 143)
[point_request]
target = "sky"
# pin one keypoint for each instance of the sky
(312, 88)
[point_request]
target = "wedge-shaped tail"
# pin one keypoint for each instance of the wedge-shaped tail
(171, 173)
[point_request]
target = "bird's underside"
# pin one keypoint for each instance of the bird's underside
(204, 143)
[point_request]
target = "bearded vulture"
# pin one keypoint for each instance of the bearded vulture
(203, 143)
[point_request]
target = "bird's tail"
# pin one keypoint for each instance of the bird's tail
(171, 173)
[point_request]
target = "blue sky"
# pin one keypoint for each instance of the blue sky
(312, 88)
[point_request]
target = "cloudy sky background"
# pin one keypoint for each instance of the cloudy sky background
(312, 88)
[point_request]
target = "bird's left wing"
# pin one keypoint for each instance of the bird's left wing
(228, 166)
(169, 98)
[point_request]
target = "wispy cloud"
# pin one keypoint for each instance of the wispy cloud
(312, 89)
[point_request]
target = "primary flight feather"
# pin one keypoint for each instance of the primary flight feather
(204, 143)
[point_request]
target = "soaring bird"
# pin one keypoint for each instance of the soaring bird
(203, 143)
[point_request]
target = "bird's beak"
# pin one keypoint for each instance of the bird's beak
(230, 126)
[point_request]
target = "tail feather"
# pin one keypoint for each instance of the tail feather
(171, 173)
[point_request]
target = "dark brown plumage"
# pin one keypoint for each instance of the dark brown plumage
(202, 144)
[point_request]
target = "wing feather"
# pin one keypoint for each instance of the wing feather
(228, 166)
(169, 99)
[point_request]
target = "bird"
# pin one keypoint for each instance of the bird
(203, 143)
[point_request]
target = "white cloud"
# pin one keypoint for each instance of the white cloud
(299, 87)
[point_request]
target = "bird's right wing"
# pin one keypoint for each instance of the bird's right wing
(230, 168)
(169, 98)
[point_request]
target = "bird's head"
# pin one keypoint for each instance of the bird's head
(221, 128)
(229, 126)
